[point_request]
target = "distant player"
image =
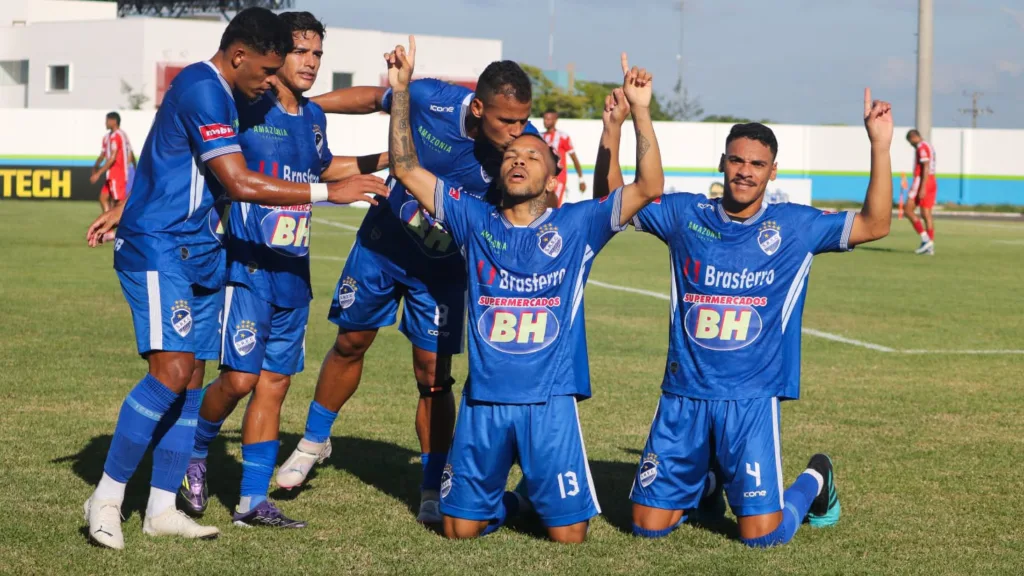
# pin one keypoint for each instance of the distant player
(922, 192)
(114, 164)
(562, 145)
(268, 292)
(740, 277)
(527, 346)
(170, 265)
(401, 254)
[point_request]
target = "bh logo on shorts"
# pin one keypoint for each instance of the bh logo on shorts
(648, 469)
(723, 322)
(287, 231)
(347, 292)
(432, 237)
(769, 237)
(549, 240)
(245, 337)
(518, 325)
(446, 480)
(181, 318)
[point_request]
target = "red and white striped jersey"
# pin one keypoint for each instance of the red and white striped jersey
(924, 154)
(116, 145)
(559, 142)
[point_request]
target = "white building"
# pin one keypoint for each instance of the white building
(75, 54)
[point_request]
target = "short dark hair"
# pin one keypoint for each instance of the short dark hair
(303, 22)
(913, 132)
(504, 77)
(115, 117)
(551, 111)
(754, 131)
(259, 29)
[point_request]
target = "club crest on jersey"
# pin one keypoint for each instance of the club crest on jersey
(287, 232)
(519, 326)
(648, 469)
(347, 292)
(318, 138)
(446, 480)
(723, 322)
(245, 337)
(769, 237)
(181, 318)
(485, 176)
(549, 240)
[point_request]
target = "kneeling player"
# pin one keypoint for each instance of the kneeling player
(266, 302)
(527, 351)
(740, 277)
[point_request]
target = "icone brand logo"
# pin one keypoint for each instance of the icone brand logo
(506, 281)
(287, 232)
(743, 279)
(436, 108)
(518, 330)
(724, 323)
(211, 132)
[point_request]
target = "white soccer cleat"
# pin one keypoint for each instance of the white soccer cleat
(295, 469)
(926, 248)
(104, 519)
(430, 509)
(174, 522)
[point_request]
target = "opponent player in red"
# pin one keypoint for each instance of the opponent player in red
(113, 161)
(922, 192)
(562, 145)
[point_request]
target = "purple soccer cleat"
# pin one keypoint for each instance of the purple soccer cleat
(193, 495)
(266, 514)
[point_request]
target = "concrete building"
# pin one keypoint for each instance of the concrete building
(73, 54)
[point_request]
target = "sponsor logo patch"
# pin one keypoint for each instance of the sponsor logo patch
(212, 132)
(723, 322)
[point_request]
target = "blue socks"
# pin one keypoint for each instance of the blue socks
(509, 509)
(319, 422)
(257, 467)
(798, 498)
(433, 468)
(174, 439)
(206, 431)
(644, 533)
(140, 413)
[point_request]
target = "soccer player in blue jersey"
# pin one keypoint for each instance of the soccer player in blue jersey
(528, 364)
(401, 254)
(170, 266)
(268, 292)
(740, 271)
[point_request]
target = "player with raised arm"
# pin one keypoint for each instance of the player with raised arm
(528, 364)
(401, 254)
(923, 191)
(740, 271)
(170, 266)
(562, 145)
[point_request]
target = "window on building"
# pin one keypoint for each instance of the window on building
(341, 80)
(58, 78)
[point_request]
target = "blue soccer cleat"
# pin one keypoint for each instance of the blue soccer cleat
(825, 509)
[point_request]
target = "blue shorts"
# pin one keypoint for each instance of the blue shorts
(261, 336)
(171, 314)
(547, 441)
(367, 295)
(739, 439)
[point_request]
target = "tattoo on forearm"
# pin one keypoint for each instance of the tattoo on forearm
(403, 154)
(642, 144)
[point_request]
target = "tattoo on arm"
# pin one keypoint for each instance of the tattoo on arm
(642, 144)
(403, 155)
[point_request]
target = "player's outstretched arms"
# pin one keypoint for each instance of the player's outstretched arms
(607, 170)
(244, 185)
(405, 166)
(876, 215)
(354, 100)
(105, 223)
(345, 166)
(650, 177)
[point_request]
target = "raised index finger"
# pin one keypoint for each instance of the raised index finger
(625, 63)
(867, 101)
(412, 47)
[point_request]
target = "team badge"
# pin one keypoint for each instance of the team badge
(181, 318)
(769, 237)
(318, 138)
(347, 293)
(446, 481)
(648, 469)
(549, 240)
(485, 176)
(245, 337)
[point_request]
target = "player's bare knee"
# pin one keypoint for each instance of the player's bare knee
(352, 345)
(273, 386)
(238, 385)
(172, 369)
(198, 375)
(575, 534)
(460, 529)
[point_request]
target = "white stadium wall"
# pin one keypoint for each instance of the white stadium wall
(819, 162)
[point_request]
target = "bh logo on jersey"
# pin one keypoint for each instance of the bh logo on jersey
(432, 236)
(245, 337)
(287, 232)
(769, 237)
(181, 318)
(346, 292)
(723, 322)
(446, 480)
(648, 469)
(518, 325)
(549, 240)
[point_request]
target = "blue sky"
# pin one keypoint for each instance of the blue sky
(792, 61)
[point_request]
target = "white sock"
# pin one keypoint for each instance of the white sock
(821, 481)
(924, 236)
(109, 489)
(244, 504)
(159, 502)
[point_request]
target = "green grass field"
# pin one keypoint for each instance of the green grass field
(928, 447)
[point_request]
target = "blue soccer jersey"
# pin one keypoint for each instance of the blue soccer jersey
(527, 335)
(166, 219)
(268, 247)
(738, 293)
